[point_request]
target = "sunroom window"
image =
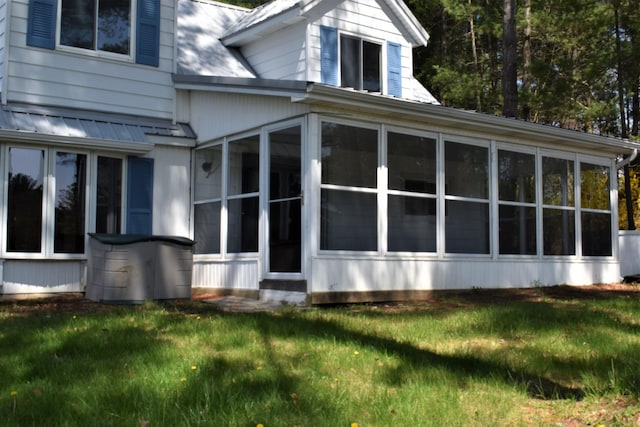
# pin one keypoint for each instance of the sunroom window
(360, 64)
(517, 203)
(411, 162)
(466, 198)
(595, 210)
(243, 186)
(101, 25)
(349, 188)
(208, 199)
(558, 213)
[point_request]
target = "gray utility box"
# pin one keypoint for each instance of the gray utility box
(124, 268)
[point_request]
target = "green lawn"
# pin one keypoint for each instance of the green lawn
(454, 360)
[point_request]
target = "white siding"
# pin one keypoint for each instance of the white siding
(81, 80)
(171, 195)
(334, 274)
(214, 115)
(20, 277)
(280, 56)
(242, 274)
(3, 41)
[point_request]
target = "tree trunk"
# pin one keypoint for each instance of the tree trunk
(526, 53)
(509, 60)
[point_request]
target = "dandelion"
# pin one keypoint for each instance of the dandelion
(198, 318)
(183, 379)
(354, 424)
(194, 367)
(14, 393)
(259, 425)
(259, 368)
(355, 353)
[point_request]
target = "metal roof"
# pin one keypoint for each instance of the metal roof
(34, 122)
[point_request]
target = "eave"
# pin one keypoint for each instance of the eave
(456, 119)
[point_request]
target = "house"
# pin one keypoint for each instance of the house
(293, 144)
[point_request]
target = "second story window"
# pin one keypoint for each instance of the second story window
(360, 64)
(103, 25)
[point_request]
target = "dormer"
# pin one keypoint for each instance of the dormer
(365, 45)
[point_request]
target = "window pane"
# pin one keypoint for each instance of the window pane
(412, 224)
(206, 223)
(466, 227)
(284, 147)
(243, 225)
(596, 234)
(557, 185)
(77, 23)
(467, 170)
(594, 186)
(516, 174)
(559, 232)
(208, 171)
(371, 66)
(69, 229)
(109, 197)
(350, 62)
(348, 221)
(244, 166)
(412, 163)
(114, 22)
(517, 230)
(24, 200)
(285, 244)
(349, 155)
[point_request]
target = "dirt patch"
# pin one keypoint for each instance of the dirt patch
(448, 299)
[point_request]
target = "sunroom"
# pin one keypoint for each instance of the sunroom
(388, 199)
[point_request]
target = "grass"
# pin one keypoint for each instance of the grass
(450, 361)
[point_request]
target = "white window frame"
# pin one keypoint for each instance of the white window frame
(130, 57)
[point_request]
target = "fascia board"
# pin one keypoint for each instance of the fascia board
(240, 85)
(454, 118)
(406, 21)
(130, 147)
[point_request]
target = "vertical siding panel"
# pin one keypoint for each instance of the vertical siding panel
(43, 276)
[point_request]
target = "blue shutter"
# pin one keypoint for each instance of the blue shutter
(148, 32)
(329, 55)
(140, 195)
(394, 70)
(41, 26)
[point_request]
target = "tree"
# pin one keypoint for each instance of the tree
(509, 60)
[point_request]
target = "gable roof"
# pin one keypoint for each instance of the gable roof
(276, 14)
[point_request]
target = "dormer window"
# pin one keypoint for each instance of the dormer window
(102, 25)
(360, 64)
(350, 61)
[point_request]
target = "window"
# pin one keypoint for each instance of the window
(109, 195)
(70, 207)
(595, 210)
(411, 212)
(558, 213)
(517, 203)
(360, 64)
(243, 186)
(25, 199)
(467, 198)
(349, 188)
(103, 25)
(37, 224)
(98, 25)
(208, 197)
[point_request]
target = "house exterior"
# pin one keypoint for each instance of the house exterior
(293, 144)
